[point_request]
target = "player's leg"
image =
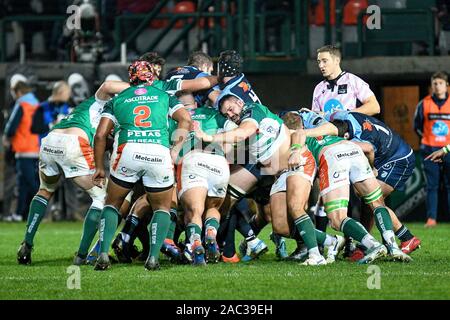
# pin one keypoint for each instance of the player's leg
(393, 176)
(212, 225)
(373, 196)
(38, 207)
(116, 193)
(123, 243)
(92, 217)
(193, 203)
(297, 194)
(160, 198)
(336, 203)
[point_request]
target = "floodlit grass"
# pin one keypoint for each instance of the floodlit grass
(427, 277)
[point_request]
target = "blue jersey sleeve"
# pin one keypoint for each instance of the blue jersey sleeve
(418, 119)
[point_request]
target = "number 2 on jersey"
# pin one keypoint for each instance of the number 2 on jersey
(142, 114)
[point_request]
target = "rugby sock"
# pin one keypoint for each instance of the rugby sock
(90, 227)
(257, 223)
(324, 239)
(211, 222)
(228, 228)
(404, 234)
(384, 225)
(306, 229)
(243, 226)
(131, 223)
(321, 223)
(108, 226)
(354, 229)
(141, 233)
(173, 223)
(192, 229)
(38, 207)
(158, 227)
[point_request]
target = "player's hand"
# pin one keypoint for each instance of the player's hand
(98, 178)
(295, 159)
(174, 152)
(436, 156)
(200, 134)
(6, 142)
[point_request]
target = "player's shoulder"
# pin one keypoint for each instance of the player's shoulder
(353, 78)
(320, 87)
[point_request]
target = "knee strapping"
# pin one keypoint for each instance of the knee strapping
(236, 192)
(50, 187)
(373, 196)
(336, 205)
(98, 197)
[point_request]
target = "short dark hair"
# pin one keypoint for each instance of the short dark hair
(22, 86)
(341, 125)
(182, 93)
(226, 98)
(440, 75)
(153, 58)
(198, 58)
(332, 50)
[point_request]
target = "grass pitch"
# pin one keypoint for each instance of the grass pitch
(427, 277)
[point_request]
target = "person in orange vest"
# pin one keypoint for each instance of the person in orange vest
(24, 144)
(432, 124)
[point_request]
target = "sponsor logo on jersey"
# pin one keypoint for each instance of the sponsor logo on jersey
(244, 86)
(440, 129)
(199, 117)
(142, 98)
(53, 150)
(367, 125)
(208, 167)
(350, 154)
(146, 133)
(342, 89)
(333, 105)
(140, 91)
(148, 158)
(182, 71)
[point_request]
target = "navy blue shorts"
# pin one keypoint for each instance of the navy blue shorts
(395, 171)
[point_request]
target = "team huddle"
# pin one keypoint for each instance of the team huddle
(201, 155)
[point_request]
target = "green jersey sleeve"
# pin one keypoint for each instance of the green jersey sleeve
(174, 105)
(109, 113)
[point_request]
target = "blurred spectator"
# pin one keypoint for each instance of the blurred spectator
(432, 124)
(51, 111)
(83, 44)
(79, 87)
(443, 16)
(24, 144)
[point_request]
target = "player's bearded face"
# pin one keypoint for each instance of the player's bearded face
(232, 109)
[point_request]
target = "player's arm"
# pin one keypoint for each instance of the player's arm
(368, 150)
(109, 88)
(199, 84)
(298, 146)
(369, 107)
(244, 131)
(327, 128)
(418, 119)
(213, 95)
(438, 155)
(104, 128)
(184, 121)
